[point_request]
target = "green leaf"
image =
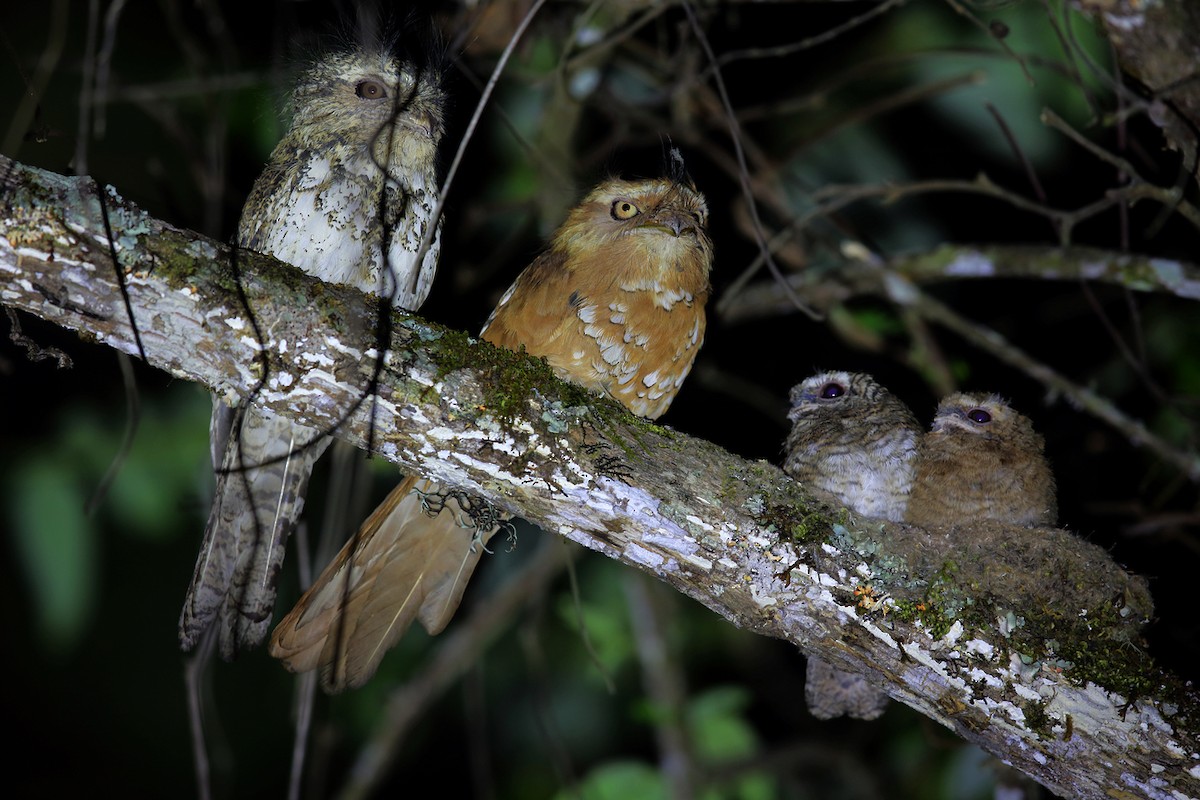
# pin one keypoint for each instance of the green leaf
(622, 780)
(57, 549)
(718, 727)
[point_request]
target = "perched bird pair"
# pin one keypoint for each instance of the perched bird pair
(614, 304)
(855, 441)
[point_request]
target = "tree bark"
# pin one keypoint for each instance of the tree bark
(1156, 42)
(1022, 641)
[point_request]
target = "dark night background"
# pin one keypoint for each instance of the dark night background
(91, 600)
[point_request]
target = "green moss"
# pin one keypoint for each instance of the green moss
(507, 381)
(800, 525)
(1127, 671)
(930, 615)
(510, 379)
(793, 523)
(1037, 720)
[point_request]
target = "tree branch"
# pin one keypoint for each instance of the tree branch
(1156, 44)
(1022, 641)
(958, 262)
(900, 280)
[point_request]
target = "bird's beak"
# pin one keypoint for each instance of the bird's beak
(674, 224)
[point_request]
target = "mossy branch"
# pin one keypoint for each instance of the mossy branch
(1024, 642)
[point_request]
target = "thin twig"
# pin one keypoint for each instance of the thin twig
(1019, 154)
(83, 129)
(962, 262)
(104, 66)
(744, 172)
(983, 26)
(432, 228)
(33, 350)
(133, 417)
(664, 684)
(807, 43)
(195, 668)
(1172, 199)
(1079, 396)
(26, 111)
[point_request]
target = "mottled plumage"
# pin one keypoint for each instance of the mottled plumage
(617, 305)
(981, 461)
(853, 439)
(614, 304)
(353, 179)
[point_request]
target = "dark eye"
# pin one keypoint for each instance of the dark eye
(979, 415)
(831, 390)
(370, 90)
(623, 210)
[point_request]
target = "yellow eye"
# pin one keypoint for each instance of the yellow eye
(623, 209)
(370, 90)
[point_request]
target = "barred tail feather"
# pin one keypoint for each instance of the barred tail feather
(259, 498)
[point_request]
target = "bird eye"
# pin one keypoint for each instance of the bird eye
(831, 390)
(370, 90)
(979, 415)
(623, 209)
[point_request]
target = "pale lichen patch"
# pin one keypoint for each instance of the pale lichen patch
(971, 265)
(697, 561)
(977, 675)
(1026, 693)
(316, 358)
(952, 635)
(640, 555)
(880, 634)
(761, 600)
(980, 647)
(333, 343)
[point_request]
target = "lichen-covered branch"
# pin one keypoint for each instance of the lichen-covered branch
(1156, 43)
(960, 262)
(1023, 641)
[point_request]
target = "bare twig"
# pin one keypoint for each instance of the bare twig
(26, 111)
(432, 228)
(133, 417)
(664, 685)
(1079, 396)
(743, 170)
(806, 43)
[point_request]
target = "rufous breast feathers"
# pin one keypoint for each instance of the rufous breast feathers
(616, 303)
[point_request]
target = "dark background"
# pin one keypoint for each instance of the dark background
(93, 677)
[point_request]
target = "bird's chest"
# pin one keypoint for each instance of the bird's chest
(869, 470)
(336, 223)
(636, 343)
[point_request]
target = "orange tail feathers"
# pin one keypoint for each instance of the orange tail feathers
(407, 561)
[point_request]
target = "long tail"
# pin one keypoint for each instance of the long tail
(406, 562)
(258, 500)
